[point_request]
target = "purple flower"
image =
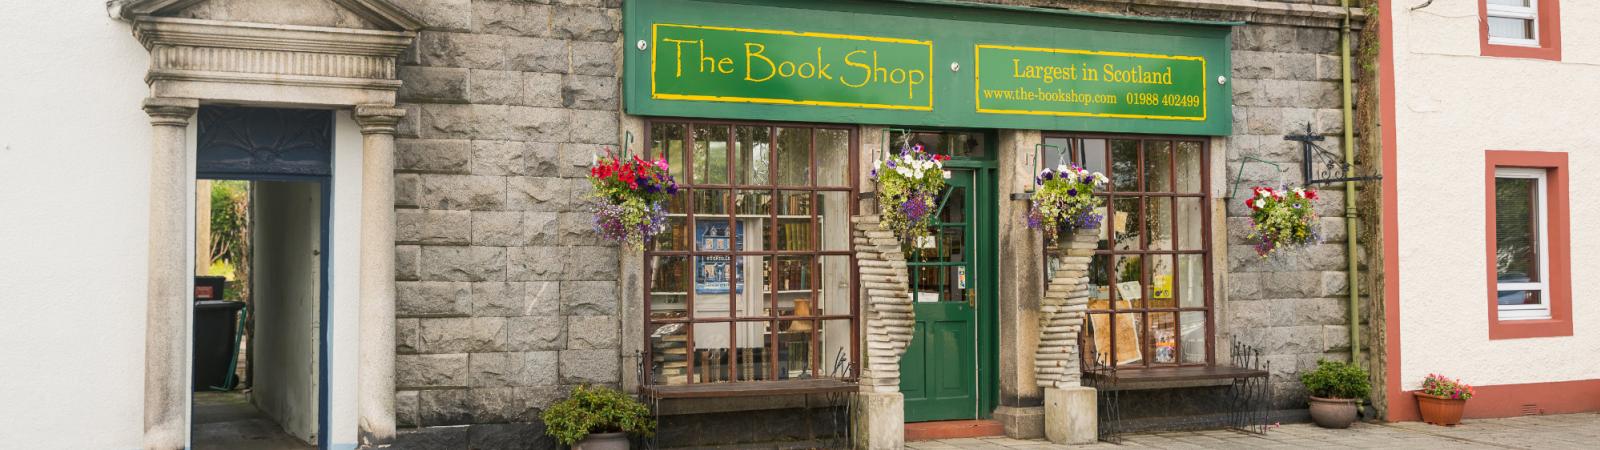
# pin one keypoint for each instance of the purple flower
(1047, 176)
(1072, 191)
(873, 174)
(889, 164)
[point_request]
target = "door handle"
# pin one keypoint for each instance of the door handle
(972, 297)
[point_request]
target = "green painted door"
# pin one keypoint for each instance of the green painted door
(939, 374)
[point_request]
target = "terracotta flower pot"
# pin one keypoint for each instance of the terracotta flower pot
(603, 441)
(1439, 410)
(1333, 412)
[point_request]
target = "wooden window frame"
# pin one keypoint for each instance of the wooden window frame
(688, 186)
(1547, 33)
(1557, 259)
(1205, 250)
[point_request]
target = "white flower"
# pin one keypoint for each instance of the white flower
(946, 174)
(1061, 168)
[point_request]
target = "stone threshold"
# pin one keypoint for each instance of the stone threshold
(953, 429)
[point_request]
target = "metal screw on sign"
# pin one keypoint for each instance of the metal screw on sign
(1220, 78)
(955, 67)
(642, 44)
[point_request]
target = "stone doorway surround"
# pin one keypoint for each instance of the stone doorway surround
(300, 53)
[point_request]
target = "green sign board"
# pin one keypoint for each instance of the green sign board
(721, 64)
(921, 63)
(1089, 83)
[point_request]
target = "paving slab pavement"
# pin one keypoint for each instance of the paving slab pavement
(1556, 432)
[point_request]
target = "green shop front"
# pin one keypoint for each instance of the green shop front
(750, 319)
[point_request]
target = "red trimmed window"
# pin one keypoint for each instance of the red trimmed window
(1529, 250)
(1520, 28)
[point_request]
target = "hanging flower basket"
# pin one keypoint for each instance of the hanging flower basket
(1064, 201)
(909, 185)
(1282, 219)
(629, 198)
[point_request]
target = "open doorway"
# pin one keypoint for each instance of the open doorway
(258, 339)
(257, 321)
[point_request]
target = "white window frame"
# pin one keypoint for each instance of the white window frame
(1530, 12)
(1541, 310)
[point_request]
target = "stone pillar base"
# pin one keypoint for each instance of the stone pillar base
(1070, 415)
(1021, 422)
(880, 421)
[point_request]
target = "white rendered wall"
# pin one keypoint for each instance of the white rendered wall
(285, 262)
(74, 202)
(1452, 105)
(344, 293)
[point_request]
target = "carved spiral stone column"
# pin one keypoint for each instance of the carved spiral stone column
(1062, 312)
(376, 372)
(889, 315)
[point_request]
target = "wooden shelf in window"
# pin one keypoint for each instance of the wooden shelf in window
(750, 388)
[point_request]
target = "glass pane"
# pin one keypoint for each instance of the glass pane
(1190, 221)
(669, 287)
(970, 145)
(1158, 166)
(793, 276)
(755, 277)
(1050, 153)
(666, 139)
(1087, 153)
(1191, 281)
(795, 349)
(1509, 28)
(1509, 2)
(1124, 340)
(1158, 223)
(1193, 336)
(753, 203)
(1163, 338)
(754, 353)
(669, 353)
(1128, 289)
(710, 154)
(794, 221)
(1519, 298)
(676, 236)
(834, 348)
(711, 356)
(794, 156)
(1100, 282)
(833, 291)
(1093, 152)
(753, 145)
(833, 218)
(1124, 165)
(833, 157)
(1516, 229)
(1161, 280)
(1187, 163)
(1126, 224)
(709, 203)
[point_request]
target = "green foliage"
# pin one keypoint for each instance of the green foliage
(1335, 379)
(596, 410)
(1064, 200)
(230, 234)
(1443, 387)
(909, 185)
(1282, 219)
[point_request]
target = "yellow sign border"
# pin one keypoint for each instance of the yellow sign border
(977, 83)
(654, 40)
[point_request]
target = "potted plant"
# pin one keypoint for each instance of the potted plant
(597, 418)
(1282, 219)
(1441, 399)
(1064, 200)
(1335, 387)
(909, 184)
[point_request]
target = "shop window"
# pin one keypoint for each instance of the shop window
(1150, 287)
(1528, 245)
(753, 280)
(1520, 28)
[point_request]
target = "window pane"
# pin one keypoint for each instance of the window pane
(795, 348)
(669, 287)
(1191, 281)
(666, 139)
(753, 205)
(710, 154)
(794, 156)
(1124, 165)
(833, 292)
(755, 297)
(1158, 223)
(711, 356)
(1516, 230)
(669, 353)
(834, 348)
(1126, 224)
(793, 276)
(676, 236)
(709, 203)
(1509, 28)
(1158, 166)
(1163, 338)
(1189, 218)
(753, 148)
(1509, 2)
(755, 351)
(1187, 163)
(1100, 281)
(1122, 340)
(794, 221)
(1193, 336)
(1128, 288)
(833, 157)
(1161, 279)
(833, 218)
(1520, 298)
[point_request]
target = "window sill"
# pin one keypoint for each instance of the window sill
(749, 388)
(1529, 328)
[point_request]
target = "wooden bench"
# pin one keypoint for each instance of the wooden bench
(1170, 377)
(749, 389)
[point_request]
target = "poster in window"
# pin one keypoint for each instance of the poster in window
(711, 273)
